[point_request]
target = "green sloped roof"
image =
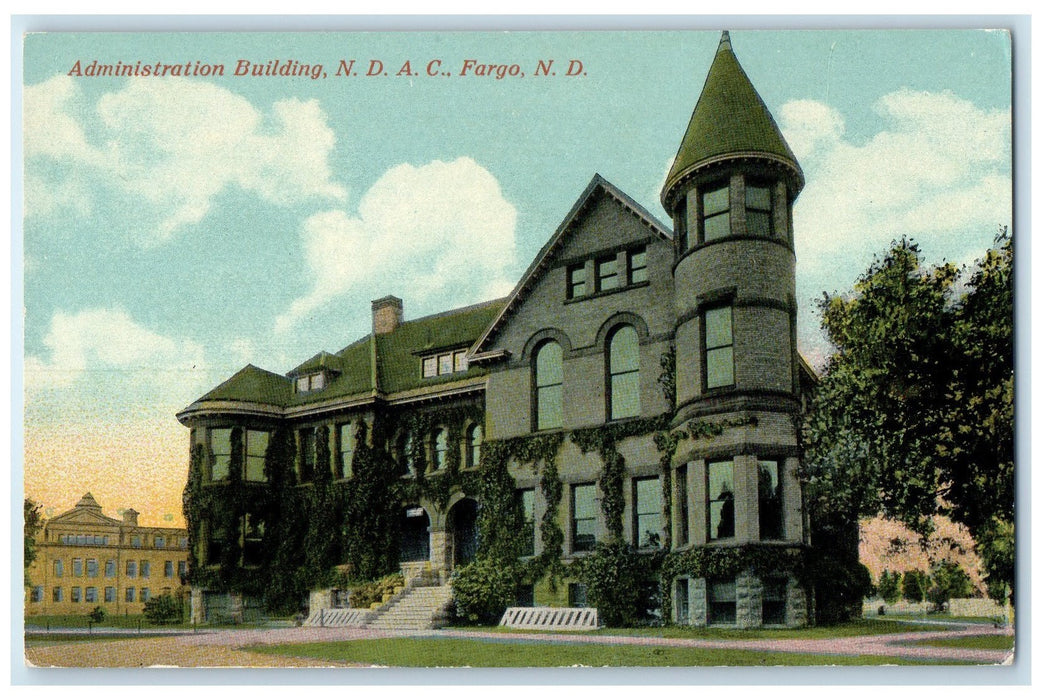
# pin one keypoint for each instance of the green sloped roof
(399, 352)
(399, 358)
(730, 117)
(253, 384)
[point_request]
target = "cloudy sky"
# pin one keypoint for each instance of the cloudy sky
(177, 228)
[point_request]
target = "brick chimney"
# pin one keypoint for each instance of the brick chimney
(387, 314)
(130, 517)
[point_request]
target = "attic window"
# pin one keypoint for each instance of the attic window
(445, 363)
(311, 382)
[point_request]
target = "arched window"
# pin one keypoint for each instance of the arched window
(439, 448)
(623, 374)
(474, 437)
(405, 451)
(549, 379)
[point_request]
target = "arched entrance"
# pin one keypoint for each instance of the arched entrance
(463, 524)
(415, 535)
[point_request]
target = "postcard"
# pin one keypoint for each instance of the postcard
(679, 348)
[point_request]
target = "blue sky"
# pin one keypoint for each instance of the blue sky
(177, 228)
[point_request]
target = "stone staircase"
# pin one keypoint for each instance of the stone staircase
(418, 608)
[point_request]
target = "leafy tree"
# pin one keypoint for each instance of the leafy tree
(33, 523)
(913, 586)
(995, 547)
(913, 416)
(97, 615)
(948, 581)
(161, 610)
(890, 586)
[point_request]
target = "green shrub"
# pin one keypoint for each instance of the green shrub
(949, 581)
(616, 578)
(97, 615)
(890, 586)
(373, 592)
(162, 610)
(914, 585)
(484, 589)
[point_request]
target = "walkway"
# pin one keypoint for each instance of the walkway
(224, 648)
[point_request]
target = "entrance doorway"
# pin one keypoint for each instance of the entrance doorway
(416, 535)
(463, 524)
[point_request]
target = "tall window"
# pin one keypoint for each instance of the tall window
(37, 594)
(308, 454)
(716, 213)
(680, 219)
(607, 273)
(92, 568)
(252, 540)
(256, 449)
(129, 597)
(131, 569)
(637, 264)
(347, 448)
(91, 595)
(146, 569)
(722, 599)
(549, 382)
(439, 448)
(721, 499)
(684, 529)
(160, 542)
(682, 604)
(576, 280)
(474, 438)
(168, 569)
(719, 347)
(56, 594)
(758, 219)
(59, 568)
(624, 373)
(527, 497)
(77, 567)
(110, 594)
(110, 568)
(221, 447)
(584, 517)
(770, 501)
(577, 595)
(647, 510)
(405, 452)
(76, 593)
(773, 601)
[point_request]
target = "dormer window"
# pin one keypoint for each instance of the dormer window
(442, 363)
(311, 382)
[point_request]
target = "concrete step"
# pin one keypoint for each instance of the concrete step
(419, 608)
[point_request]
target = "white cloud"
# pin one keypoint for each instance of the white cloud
(441, 232)
(102, 358)
(937, 171)
(168, 146)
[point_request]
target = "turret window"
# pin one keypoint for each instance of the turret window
(758, 217)
(549, 381)
(221, 447)
(770, 500)
(719, 348)
(716, 214)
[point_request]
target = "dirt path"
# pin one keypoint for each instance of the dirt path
(224, 648)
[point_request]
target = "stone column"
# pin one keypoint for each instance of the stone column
(441, 550)
(795, 604)
(698, 609)
(748, 601)
(198, 613)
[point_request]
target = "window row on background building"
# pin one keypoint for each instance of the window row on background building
(89, 594)
(133, 568)
(134, 540)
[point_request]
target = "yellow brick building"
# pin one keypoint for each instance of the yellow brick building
(85, 559)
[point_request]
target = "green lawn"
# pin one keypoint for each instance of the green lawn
(983, 641)
(429, 653)
(855, 628)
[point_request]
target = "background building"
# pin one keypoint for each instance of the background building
(640, 384)
(85, 559)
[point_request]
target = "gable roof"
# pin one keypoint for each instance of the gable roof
(86, 512)
(730, 118)
(598, 187)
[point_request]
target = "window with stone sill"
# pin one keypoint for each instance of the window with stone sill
(647, 512)
(129, 595)
(623, 373)
(720, 494)
(637, 264)
(549, 383)
(221, 449)
(110, 594)
(576, 281)
(718, 348)
(770, 500)
(584, 517)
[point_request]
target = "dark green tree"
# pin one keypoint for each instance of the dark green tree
(913, 416)
(890, 586)
(913, 586)
(947, 581)
(33, 522)
(161, 610)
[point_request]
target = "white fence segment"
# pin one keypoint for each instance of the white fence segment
(550, 618)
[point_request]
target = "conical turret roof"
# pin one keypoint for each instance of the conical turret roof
(730, 118)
